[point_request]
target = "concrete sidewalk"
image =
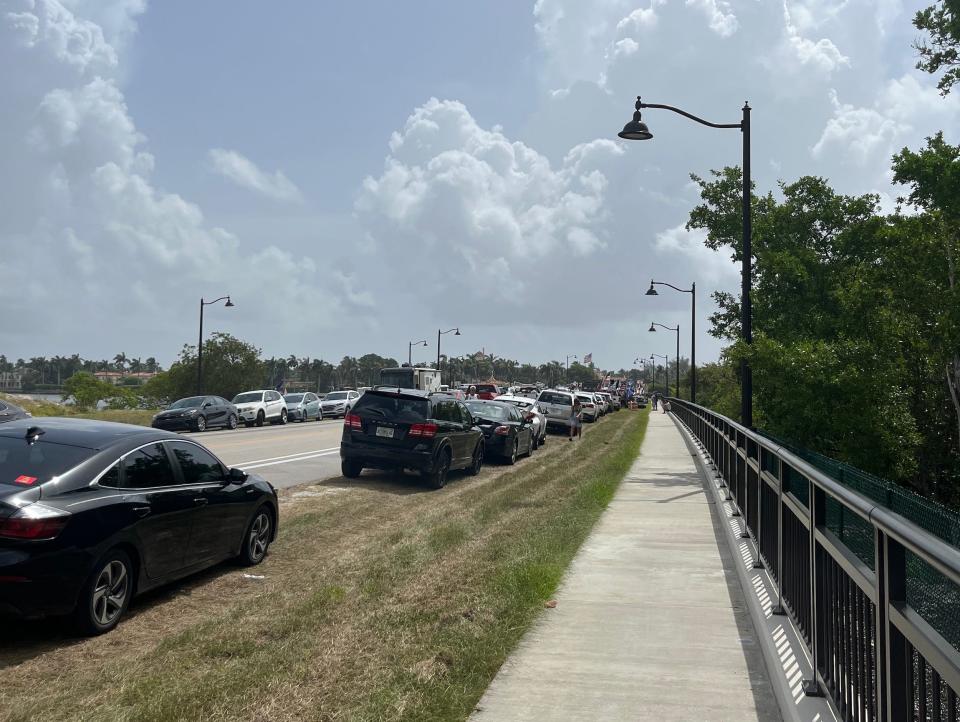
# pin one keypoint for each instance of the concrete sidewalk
(651, 622)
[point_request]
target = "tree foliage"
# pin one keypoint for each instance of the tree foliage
(939, 50)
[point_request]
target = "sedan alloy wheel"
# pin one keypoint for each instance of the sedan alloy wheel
(258, 538)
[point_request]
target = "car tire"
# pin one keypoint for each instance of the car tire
(438, 476)
(319, 414)
(534, 442)
(351, 468)
(512, 459)
(283, 417)
(260, 417)
(106, 595)
(231, 422)
(257, 538)
(477, 464)
(200, 424)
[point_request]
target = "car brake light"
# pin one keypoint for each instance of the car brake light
(34, 522)
(502, 430)
(353, 421)
(423, 431)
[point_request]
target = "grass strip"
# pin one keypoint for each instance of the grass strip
(406, 614)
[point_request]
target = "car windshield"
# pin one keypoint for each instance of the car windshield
(293, 398)
(249, 397)
(494, 412)
(392, 408)
(24, 465)
(336, 396)
(552, 397)
(486, 388)
(187, 403)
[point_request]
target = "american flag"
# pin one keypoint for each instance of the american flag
(588, 358)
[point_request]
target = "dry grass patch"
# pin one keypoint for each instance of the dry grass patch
(384, 601)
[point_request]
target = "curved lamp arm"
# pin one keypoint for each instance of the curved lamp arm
(688, 115)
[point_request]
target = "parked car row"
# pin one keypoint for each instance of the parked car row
(435, 433)
(252, 408)
(93, 513)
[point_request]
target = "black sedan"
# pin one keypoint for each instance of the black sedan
(506, 432)
(92, 513)
(197, 413)
(12, 412)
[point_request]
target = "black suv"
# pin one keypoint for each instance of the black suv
(410, 429)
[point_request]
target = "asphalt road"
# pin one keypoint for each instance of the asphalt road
(283, 455)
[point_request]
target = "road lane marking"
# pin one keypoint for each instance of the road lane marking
(287, 456)
(290, 461)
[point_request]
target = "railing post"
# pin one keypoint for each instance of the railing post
(817, 505)
(778, 607)
(893, 665)
(758, 559)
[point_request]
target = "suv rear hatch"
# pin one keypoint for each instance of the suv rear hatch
(556, 404)
(389, 420)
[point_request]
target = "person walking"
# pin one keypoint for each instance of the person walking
(656, 399)
(575, 425)
(472, 392)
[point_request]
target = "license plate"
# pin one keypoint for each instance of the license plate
(385, 431)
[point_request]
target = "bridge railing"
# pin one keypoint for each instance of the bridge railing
(875, 597)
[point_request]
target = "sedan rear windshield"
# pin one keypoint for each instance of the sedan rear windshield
(486, 388)
(293, 398)
(392, 408)
(488, 411)
(550, 397)
(247, 398)
(26, 465)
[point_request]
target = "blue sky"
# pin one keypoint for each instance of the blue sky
(358, 175)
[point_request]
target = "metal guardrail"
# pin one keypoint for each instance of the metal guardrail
(880, 649)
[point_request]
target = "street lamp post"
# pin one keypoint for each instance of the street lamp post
(228, 304)
(693, 329)
(439, 334)
(666, 370)
(636, 129)
(570, 356)
(677, 329)
(410, 345)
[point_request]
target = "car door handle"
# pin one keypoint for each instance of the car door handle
(141, 510)
(201, 500)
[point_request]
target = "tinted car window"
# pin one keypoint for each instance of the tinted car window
(393, 408)
(147, 468)
(112, 477)
(465, 416)
(486, 388)
(553, 397)
(23, 464)
(198, 466)
(495, 412)
(446, 411)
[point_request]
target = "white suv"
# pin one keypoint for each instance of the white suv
(338, 403)
(255, 407)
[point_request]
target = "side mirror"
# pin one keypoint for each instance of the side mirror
(236, 476)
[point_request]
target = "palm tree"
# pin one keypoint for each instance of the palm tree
(121, 361)
(136, 365)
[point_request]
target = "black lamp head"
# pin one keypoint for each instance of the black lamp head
(652, 291)
(636, 129)
(229, 303)
(457, 333)
(652, 328)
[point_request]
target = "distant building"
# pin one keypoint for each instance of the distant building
(11, 381)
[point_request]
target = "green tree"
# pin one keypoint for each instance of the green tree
(939, 51)
(86, 389)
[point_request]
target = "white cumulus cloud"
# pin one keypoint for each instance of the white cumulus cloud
(483, 216)
(244, 172)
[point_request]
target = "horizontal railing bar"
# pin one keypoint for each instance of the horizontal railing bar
(938, 652)
(859, 573)
(771, 480)
(798, 509)
(936, 552)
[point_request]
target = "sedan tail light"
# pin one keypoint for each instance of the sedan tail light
(34, 523)
(423, 431)
(353, 421)
(502, 431)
